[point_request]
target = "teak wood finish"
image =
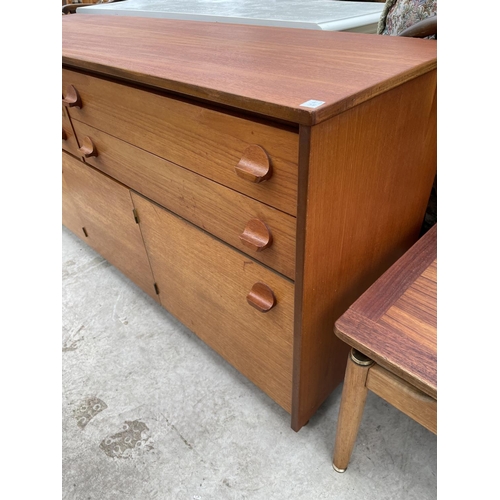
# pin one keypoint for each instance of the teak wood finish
(270, 71)
(203, 140)
(106, 211)
(207, 121)
(69, 142)
(204, 283)
(223, 212)
(392, 329)
(394, 321)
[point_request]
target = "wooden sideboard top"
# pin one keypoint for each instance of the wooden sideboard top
(266, 70)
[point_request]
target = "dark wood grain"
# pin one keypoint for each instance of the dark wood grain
(389, 288)
(400, 332)
(270, 71)
(392, 349)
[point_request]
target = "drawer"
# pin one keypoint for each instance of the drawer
(68, 136)
(265, 233)
(231, 150)
(104, 209)
(205, 284)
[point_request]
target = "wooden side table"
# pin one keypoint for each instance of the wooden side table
(392, 331)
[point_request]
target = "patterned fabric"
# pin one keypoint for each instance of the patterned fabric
(396, 16)
(401, 14)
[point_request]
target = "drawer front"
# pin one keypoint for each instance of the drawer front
(68, 136)
(105, 211)
(205, 284)
(263, 232)
(214, 144)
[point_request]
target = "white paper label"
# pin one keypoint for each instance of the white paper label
(312, 103)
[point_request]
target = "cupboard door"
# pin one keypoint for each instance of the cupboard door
(240, 308)
(108, 223)
(70, 216)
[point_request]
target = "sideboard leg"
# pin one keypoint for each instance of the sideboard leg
(351, 408)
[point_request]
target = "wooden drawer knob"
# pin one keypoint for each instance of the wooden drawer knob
(254, 165)
(88, 148)
(261, 297)
(256, 235)
(72, 98)
(65, 135)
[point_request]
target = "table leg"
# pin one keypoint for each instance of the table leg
(351, 408)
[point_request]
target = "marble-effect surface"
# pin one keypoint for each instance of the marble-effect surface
(312, 14)
(151, 413)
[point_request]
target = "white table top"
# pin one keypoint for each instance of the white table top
(328, 15)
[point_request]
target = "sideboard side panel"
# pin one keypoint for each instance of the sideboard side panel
(369, 175)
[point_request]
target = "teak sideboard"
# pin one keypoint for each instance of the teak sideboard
(254, 181)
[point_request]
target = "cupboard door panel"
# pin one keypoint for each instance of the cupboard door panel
(70, 216)
(105, 210)
(220, 293)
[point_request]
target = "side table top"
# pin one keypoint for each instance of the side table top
(395, 321)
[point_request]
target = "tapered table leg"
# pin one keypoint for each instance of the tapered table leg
(351, 408)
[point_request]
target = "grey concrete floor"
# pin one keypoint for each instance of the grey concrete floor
(150, 412)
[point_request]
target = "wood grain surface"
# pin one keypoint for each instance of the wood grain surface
(211, 206)
(400, 333)
(174, 107)
(105, 210)
(203, 140)
(362, 208)
(70, 215)
(204, 283)
(354, 393)
(400, 394)
(69, 142)
(270, 71)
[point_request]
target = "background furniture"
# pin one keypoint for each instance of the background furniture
(401, 15)
(255, 199)
(417, 19)
(71, 6)
(392, 330)
(328, 15)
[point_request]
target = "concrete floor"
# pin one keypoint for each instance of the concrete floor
(150, 412)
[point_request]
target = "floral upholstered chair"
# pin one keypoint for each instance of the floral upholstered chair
(402, 17)
(413, 18)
